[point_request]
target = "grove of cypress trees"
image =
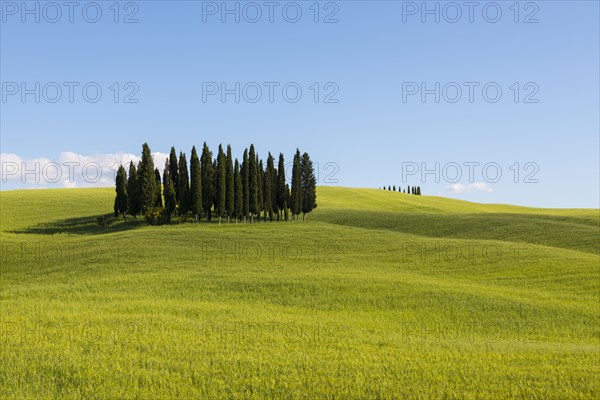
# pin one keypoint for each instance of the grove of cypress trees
(296, 193)
(121, 190)
(221, 179)
(158, 202)
(133, 191)
(207, 180)
(281, 191)
(184, 186)
(195, 184)
(147, 179)
(229, 185)
(238, 189)
(174, 171)
(245, 173)
(309, 185)
(252, 183)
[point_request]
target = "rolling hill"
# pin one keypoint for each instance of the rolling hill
(377, 295)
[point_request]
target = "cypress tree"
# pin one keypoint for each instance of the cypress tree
(133, 191)
(195, 184)
(418, 190)
(147, 179)
(296, 193)
(229, 185)
(207, 180)
(286, 202)
(268, 187)
(121, 190)
(260, 179)
(158, 202)
(184, 186)
(394, 188)
(281, 194)
(221, 183)
(273, 183)
(408, 189)
(238, 189)
(309, 185)
(252, 183)
(174, 171)
(245, 172)
(169, 190)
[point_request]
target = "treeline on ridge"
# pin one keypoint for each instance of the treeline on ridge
(416, 190)
(219, 187)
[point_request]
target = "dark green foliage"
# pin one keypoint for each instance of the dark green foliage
(268, 187)
(158, 202)
(245, 172)
(238, 195)
(286, 206)
(207, 181)
(195, 184)
(260, 183)
(133, 191)
(221, 180)
(408, 189)
(229, 185)
(309, 185)
(185, 199)
(394, 188)
(281, 190)
(169, 190)
(252, 182)
(174, 171)
(418, 193)
(121, 189)
(147, 180)
(296, 193)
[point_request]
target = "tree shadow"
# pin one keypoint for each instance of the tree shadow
(89, 225)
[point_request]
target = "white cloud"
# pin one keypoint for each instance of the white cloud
(459, 188)
(71, 169)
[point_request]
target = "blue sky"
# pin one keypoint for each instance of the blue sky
(364, 127)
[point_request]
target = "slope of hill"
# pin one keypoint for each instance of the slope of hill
(377, 295)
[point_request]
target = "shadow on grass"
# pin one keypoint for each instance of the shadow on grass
(90, 225)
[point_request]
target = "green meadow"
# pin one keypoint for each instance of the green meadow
(376, 295)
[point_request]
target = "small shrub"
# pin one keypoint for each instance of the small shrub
(157, 216)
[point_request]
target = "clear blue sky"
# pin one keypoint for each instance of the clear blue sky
(368, 55)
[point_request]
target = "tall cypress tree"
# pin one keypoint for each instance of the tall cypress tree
(260, 179)
(238, 189)
(296, 194)
(281, 191)
(253, 183)
(309, 185)
(273, 183)
(147, 179)
(133, 191)
(207, 180)
(195, 184)
(229, 185)
(267, 187)
(408, 189)
(184, 186)
(174, 171)
(158, 202)
(418, 190)
(121, 190)
(245, 172)
(286, 202)
(169, 190)
(221, 179)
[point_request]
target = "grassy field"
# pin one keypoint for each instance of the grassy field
(378, 295)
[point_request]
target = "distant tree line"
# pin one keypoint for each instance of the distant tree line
(416, 190)
(219, 187)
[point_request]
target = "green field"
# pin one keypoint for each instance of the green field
(377, 295)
